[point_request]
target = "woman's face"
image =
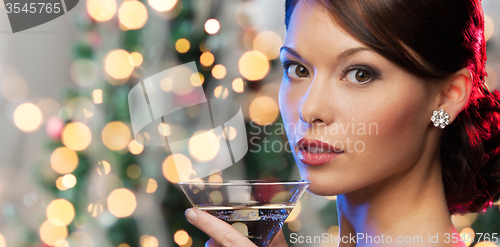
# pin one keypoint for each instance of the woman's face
(373, 115)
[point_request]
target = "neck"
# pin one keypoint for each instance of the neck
(410, 204)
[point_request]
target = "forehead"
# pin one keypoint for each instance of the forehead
(312, 31)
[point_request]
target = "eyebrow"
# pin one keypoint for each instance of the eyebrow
(343, 55)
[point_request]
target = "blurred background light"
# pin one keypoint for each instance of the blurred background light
(207, 58)
(263, 110)
(117, 64)
(182, 45)
(28, 117)
(268, 43)
(162, 5)
(132, 14)
(60, 212)
(116, 135)
(101, 10)
(64, 160)
(121, 202)
(219, 71)
(50, 233)
(76, 136)
(253, 65)
(238, 85)
(212, 26)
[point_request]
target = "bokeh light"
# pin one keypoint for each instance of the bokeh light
(69, 181)
(212, 26)
(76, 136)
(121, 202)
(152, 186)
(295, 213)
(83, 72)
(101, 10)
(207, 59)
(28, 117)
(238, 85)
(263, 110)
(103, 168)
(465, 233)
(491, 80)
(97, 96)
(166, 84)
(268, 43)
(135, 148)
(181, 237)
(204, 145)
(164, 129)
(182, 45)
(489, 27)
(81, 108)
(2, 241)
(219, 71)
(95, 209)
(50, 233)
(14, 88)
(171, 172)
(148, 241)
(61, 243)
(118, 64)
(220, 92)
(132, 14)
(137, 58)
(295, 225)
(231, 131)
(63, 160)
(59, 184)
(134, 171)
(197, 79)
(253, 65)
(162, 5)
(60, 212)
(116, 135)
(485, 244)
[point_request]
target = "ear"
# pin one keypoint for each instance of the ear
(455, 93)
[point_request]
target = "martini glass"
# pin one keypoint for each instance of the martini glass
(256, 208)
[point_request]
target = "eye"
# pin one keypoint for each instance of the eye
(295, 70)
(359, 75)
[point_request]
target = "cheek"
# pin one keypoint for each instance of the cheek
(401, 124)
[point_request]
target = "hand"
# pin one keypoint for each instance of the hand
(223, 234)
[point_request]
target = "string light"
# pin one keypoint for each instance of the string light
(207, 59)
(63, 160)
(50, 233)
(97, 96)
(117, 64)
(60, 212)
(137, 58)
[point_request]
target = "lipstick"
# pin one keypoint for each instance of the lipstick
(316, 152)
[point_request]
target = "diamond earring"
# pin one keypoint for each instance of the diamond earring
(440, 119)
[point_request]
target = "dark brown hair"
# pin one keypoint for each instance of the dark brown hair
(446, 35)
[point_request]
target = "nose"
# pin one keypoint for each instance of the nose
(316, 105)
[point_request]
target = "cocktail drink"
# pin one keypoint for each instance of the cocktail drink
(256, 208)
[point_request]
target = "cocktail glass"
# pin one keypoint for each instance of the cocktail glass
(256, 208)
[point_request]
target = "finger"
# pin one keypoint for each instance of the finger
(279, 240)
(220, 231)
(211, 243)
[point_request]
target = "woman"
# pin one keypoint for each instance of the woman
(387, 68)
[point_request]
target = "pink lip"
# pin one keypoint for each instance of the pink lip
(316, 159)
